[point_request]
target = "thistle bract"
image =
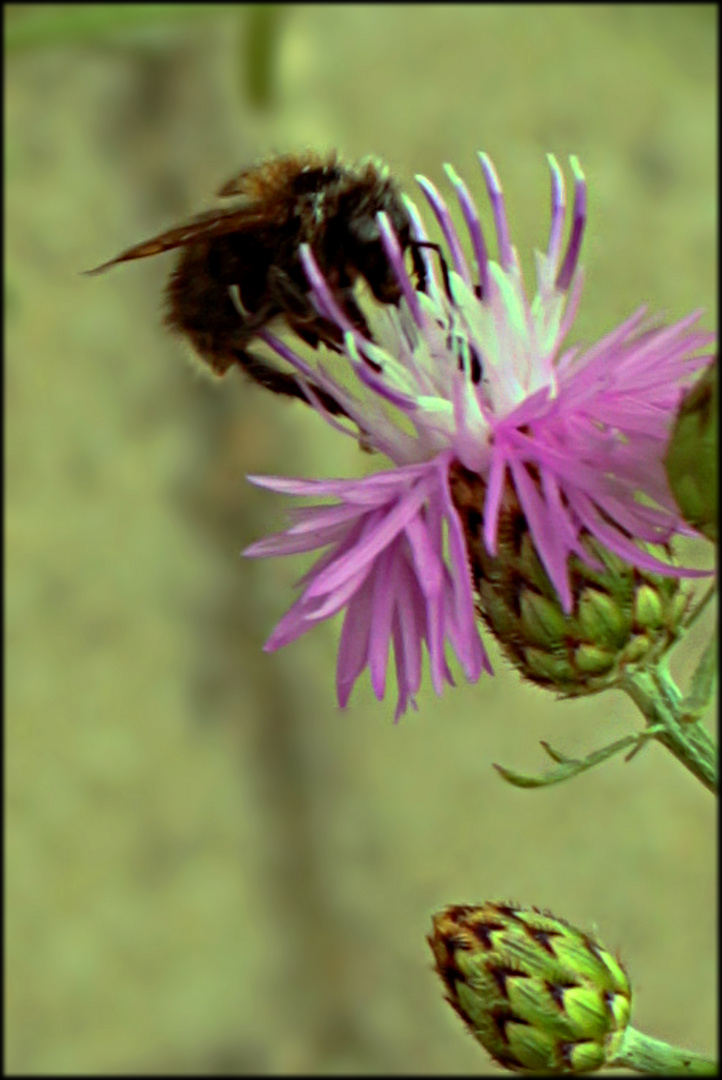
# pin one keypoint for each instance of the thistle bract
(540, 995)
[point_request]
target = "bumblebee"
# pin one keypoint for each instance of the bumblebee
(239, 269)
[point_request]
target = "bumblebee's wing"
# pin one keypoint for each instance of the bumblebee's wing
(205, 226)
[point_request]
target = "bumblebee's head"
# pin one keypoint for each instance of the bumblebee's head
(365, 251)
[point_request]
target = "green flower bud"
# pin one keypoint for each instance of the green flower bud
(622, 616)
(691, 460)
(538, 994)
(648, 611)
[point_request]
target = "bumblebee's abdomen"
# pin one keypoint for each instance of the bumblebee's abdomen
(200, 304)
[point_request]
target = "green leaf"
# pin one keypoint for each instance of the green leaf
(569, 766)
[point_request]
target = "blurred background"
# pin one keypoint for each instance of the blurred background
(211, 869)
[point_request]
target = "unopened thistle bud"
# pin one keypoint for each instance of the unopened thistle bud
(621, 615)
(539, 994)
(691, 460)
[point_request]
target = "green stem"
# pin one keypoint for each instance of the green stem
(660, 702)
(647, 1055)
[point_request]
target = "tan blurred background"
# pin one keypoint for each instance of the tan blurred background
(211, 869)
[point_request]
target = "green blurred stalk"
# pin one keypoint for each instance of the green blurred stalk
(259, 54)
(28, 27)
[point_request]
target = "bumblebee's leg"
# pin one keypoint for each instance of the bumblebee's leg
(305, 321)
(420, 268)
(299, 312)
(282, 382)
(354, 312)
(418, 264)
(260, 370)
(288, 295)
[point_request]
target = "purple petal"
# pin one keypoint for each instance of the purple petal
(354, 644)
(473, 224)
(558, 210)
(382, 529)
(553, 556)
(395, 256)
(442, 215)
(571, 258)
(496, 198)
(384, 604)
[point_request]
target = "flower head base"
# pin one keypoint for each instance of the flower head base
(470, 371)
(538, 994)
(622, 616)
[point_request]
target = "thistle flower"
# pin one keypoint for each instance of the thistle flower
(470, 375)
